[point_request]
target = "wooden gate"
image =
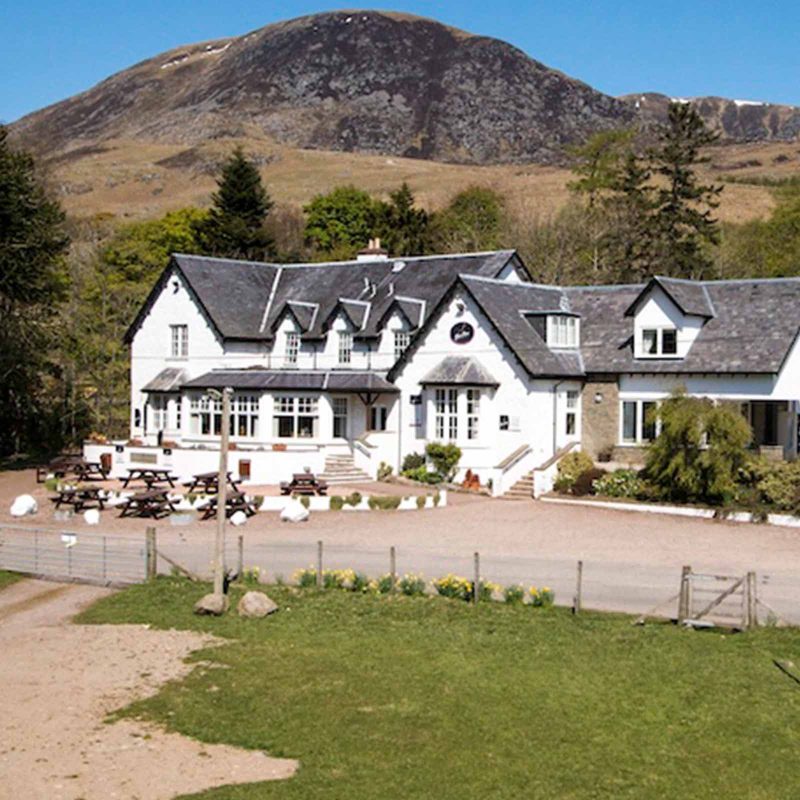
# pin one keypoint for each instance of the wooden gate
(725, 600)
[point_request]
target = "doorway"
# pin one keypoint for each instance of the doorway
(340, 417)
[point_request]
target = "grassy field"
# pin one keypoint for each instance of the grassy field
(7, 578)
(430, 698)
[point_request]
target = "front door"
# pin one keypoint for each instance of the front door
(340, 406)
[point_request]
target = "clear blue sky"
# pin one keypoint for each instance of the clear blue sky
(733, 48)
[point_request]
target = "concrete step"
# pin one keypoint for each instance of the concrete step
(522, 489)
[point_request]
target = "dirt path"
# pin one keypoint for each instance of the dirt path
(59, 681)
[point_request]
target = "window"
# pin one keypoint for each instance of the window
(292, 348)
(401, 342)
(639, 422)
(178, 412)
(158, 408)
(571, 418)
(446, 414)
(562, 331)
(244, 416)
(295, 417)
(509, 423)
(205, 414)
(473, 412)
(179, 341)
(340, 408)
(378, 415)
(345, 347)
(658, 342)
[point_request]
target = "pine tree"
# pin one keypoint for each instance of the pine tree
(403, 228)
(33, 280)
(599, 163)
(683, 225)
(234, 227)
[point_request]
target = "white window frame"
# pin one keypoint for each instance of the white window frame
(473, 413)
(378, 418)
(563, 331)
(659, 331)
(401, 341)
(292, 349)
(302, 414)
(159, 405)
(179, 341)
(245, 413)
(571, 413)
(345, 348)
(446, 414)
(205, 415)
(639, 439)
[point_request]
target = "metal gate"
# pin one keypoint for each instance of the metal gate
(72, 556)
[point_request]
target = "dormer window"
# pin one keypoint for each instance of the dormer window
(345, 347)
(562, 330)
(657, 342)
(292, 348)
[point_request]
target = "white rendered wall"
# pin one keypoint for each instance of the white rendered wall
(658, 311)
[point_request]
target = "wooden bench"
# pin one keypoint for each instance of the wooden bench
(234, 501)
(208, 483)
(79, 497)
(153, 503)
(304, 483)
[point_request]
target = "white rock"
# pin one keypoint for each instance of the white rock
(256, 604)
(24, 505)
(294, 511)
(238, 518)
(91, 516)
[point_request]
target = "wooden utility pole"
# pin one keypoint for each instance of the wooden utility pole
(222, 491)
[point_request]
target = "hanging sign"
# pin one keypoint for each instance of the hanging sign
(462, 333)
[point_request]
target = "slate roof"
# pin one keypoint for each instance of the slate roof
(459, 370)
(168, 380)
(242, 299)
(332, 381)
(691, 297)
(754, 326)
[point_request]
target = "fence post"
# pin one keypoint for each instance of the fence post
(683, 600)
(392, 568)
(319, 564)
(476, 590)
(752, 601)
(240, 563)
(36, 553)
(104, 559)
(151, 567)
(578, 601)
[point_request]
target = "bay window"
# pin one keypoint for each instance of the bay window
(446, 414)
(296, 417)
(456, 413)
(244, 416)
(205, 416)
(473, 412)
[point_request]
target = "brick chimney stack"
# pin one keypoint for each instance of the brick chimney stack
(373, 252)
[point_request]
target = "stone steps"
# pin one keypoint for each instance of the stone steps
(342, 469)
(522, 489)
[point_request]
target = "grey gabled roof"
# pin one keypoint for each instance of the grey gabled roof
(754, 326)
(168, 380)
(243, 299)
(691, 297)
(332, 381)
(459, 370)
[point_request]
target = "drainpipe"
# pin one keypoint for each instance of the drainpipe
(399, 431)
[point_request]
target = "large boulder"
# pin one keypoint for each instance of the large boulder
(294, 511)
(256, 605)
(24, 505)
(238, 518)
(212, 605)
(91, 516)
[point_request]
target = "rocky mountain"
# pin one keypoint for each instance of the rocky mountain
(369, 82)
(734, 120)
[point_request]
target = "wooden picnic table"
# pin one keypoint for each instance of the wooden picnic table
(208, 483)
(89, 471)
(60, 466)
(79, 497)
(304, 483)
(234, 501)
(150, 476)
(153, 503)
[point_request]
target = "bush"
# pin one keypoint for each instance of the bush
(383, 585)
(251, 576)
(570, 468)
(541, 598)
(454, 587)
(258, 501)
(412, 461)
(337, 502)
(586, 480)
(701, 450)
(412, 585)
(51, 484)
(445, 458)
(620, 483)
(304, 499)
(421, 501)
(384, 503)
(774, 484)
(514, 594)
(353, 499)
(384, 471)
(359, 583)
(305, 578)
(423, 475)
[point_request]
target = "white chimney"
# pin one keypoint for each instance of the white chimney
(373, 252)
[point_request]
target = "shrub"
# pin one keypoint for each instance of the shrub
(445, 458)
(51, 484)
(620, 483)
(775, 484)
(334, 578)
(570, 468)
(412, 585)
(304, 499)
(384, 471)
(337, 502)
(359, 583)
(423, 475)
(700, 452)
(412, 461)
(454, 587)
(383, 585)
(305, 578)
(437, 498)
(541, 598)
(586, 480)
(258, 501)
(421, 501)
(384, 503)
(514, 594)
(353, 499)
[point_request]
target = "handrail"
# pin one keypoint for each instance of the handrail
(362, 448)
(514, 458)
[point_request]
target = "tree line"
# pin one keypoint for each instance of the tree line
(70, 288)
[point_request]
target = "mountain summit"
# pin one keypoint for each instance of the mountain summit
(367, 81)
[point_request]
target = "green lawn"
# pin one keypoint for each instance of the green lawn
(7, 578)
(430, 698)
